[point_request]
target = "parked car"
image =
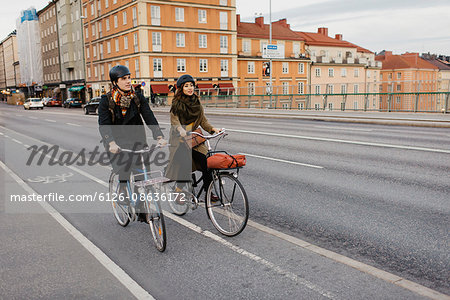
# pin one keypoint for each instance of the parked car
(72, 102)
(45, 101)
(91, 106)
(54, 102)
(33, 103)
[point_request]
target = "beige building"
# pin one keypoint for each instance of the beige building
(340, 67)
(11, 61)
(50, 49)
(2, 70)
(71, 56)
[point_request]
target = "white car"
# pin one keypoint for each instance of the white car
(33, 103)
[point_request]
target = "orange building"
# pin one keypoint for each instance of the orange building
(407, 73)
(290, 75)
(160, 41)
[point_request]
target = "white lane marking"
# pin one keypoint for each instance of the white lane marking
(48, 120)
(34, 118)
(17, 141)
(123, 277)
(1, 133)
(386, 276)
(343, 128)
(342, 141)
(283, 161)
(110, 265)
(256, 122)
(19, 115)
(72, 124)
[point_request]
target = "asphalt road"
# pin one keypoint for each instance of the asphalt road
(375, 193)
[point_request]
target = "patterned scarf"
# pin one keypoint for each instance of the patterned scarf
(123, 100)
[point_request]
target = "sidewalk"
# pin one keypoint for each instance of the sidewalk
(381, 118)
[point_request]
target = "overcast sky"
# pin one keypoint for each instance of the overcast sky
(397, 25)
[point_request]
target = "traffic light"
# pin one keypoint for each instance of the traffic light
(266, 69)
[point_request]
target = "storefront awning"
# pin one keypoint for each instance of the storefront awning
(224, 87)
(204, 86)
(76, 88)
(160, 88)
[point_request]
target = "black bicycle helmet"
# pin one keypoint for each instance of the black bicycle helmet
(183, 79)
(118, 71)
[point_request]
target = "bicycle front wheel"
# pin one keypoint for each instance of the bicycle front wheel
(155, 220)
(229, 214)
(120, 206)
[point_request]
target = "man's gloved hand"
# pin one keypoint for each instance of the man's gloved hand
(113, 148)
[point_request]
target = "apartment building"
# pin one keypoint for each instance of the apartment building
(160, 41)
(340, 67)
(71, 49)
(11, 61)
(2, 74)
(289, 75)
(407, 73)
(50, 50)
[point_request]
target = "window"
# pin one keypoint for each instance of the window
(157, 64)
(223, 44)
(114, 1)
(156, 41)
(301, 88)
(399, 87)
(136, 43)
(107, 24)
(100, 30)
(285, 68)
(179, 14)
(355, 88)
(116, 22)
(124, 18)
(251, 88)
(285, 85)
(95, 52)
(317, 106)
(136, 68)
(330, 106)
(317, 72)
(330, 72)
(317, 88)
(117, 45)
(92, 13)
(203, 65)
(106, 3)
(397, 99)
(181, 65)
(180, 40)
(343, 88)
(251, 67)
(202, 41)
(88, 52)
(125, 42)
(399, 75)
(87, 32)
(246, 46)
(108, 47)
(330, 89)
(156, 15)
(301, 106)
(202, 16)
(93, 30)
(223, 2)
(301, 68)
(343, 72)
(356, 72)
(262, 45)
(296, 48)
(223, 20)
(134, 16)
(101, 51)
(224, 67)
(99, 6)
(95, 71)
(368, 74)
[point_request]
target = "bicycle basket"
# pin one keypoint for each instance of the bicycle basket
(226, 161)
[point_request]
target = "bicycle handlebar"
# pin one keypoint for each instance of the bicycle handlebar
(208, 137)
(145, 150)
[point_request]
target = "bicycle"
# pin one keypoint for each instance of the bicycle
(228, 214)
(124, 207)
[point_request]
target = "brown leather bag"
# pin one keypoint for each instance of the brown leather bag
(193, 140)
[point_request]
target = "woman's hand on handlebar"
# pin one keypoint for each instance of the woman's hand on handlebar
(161, 142)
(114, 148)
(182, 132)
(217, 130)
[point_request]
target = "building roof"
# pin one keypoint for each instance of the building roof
(280, 30)
(403, 61)
(437, 62)
(319, 39)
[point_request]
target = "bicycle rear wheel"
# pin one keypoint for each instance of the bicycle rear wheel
(229, 214)
(155, 220)
(178, 207)
(120, 206)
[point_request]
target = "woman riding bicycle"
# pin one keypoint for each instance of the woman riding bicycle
(187, 114)
(125, 106)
